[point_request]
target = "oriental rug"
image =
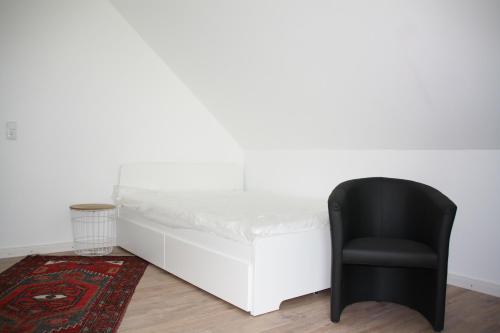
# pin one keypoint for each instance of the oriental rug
(67, 294)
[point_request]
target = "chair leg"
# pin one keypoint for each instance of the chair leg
(336, 297)
(438, 323)
(335, 309)
(437, 327)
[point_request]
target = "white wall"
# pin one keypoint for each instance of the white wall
(88, 95)
(471, 178)
(336, 74)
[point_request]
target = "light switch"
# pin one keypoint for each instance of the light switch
(11, 130)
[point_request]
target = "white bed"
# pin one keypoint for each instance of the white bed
(253, 250)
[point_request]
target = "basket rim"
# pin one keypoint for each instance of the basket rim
(92, 206)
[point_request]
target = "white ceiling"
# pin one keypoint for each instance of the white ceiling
(287, 74)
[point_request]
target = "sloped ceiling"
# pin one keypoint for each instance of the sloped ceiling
(287, 74)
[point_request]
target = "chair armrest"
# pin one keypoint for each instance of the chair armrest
(338, 212)
(438, 218)
(337, 199)
(439, 200)
(337, 229)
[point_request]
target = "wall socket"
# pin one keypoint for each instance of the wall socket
(11, 130)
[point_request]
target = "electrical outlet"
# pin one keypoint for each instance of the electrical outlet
(11, 130)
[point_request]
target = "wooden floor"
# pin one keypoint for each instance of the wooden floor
(164, 303)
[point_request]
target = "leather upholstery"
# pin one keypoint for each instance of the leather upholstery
(390, 237)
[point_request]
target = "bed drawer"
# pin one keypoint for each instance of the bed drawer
(215, 272)
(143, 241)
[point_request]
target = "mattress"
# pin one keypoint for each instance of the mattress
(237, 215)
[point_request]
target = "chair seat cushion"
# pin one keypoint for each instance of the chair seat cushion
(393, 252)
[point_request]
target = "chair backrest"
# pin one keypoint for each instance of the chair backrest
(384, 207)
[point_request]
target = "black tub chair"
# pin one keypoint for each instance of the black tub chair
(390, 243)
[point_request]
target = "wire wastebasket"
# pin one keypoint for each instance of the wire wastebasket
(94, 228)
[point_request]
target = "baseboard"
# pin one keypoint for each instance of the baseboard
(481, 286)
(35, 249)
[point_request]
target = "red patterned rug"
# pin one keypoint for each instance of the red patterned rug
(67, 293)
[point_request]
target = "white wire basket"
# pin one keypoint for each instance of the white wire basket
(94, 229)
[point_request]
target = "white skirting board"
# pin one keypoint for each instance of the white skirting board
(485, 287)
(35, 249)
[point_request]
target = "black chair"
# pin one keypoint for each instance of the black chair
(390, 242)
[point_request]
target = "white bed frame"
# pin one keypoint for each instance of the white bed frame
(255, 277)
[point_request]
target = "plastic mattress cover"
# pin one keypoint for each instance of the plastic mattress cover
(237, 215)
